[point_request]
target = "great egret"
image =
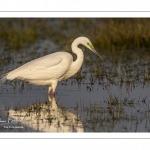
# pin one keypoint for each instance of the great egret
(52, 68)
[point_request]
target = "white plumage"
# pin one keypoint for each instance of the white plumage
(52, 68)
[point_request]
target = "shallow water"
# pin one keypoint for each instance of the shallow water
(100, 108)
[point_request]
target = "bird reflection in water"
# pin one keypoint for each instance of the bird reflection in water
(48, 117)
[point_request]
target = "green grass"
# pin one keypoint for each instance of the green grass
(20, 33)
(109, 33)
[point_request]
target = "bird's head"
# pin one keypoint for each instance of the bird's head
(88, 44)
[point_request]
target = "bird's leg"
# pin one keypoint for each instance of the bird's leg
(49, 89)
(53, 94)
(54, 85)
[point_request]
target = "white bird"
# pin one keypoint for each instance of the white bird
(53, 68)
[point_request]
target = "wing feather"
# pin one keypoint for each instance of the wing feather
(43, 62)
(52, 66)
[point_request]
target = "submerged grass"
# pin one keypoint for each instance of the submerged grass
(108, 115)
(114, 114)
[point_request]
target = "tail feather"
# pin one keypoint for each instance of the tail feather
(3, 79)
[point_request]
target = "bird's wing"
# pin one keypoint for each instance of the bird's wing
(42, 63)
(48, 67)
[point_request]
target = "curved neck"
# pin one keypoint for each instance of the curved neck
(76, 65)
(75, 43)
(75, 49)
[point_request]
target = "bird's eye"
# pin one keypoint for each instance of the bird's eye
(90, 45)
